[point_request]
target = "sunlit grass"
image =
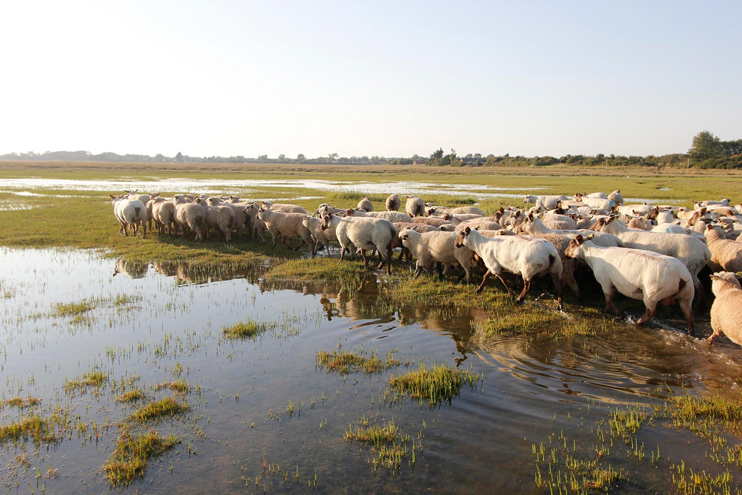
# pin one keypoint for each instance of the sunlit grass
(436, 384)
(161, 408)
(135, 395)
(247, 329)
(129, 461)
(20, 402)
(94, 378)
(33, 426)
(345, 362)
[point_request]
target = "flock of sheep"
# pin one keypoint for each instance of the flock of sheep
(652, 253)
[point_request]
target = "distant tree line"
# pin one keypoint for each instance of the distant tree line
(707, 151)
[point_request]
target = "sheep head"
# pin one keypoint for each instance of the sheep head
(463, 234)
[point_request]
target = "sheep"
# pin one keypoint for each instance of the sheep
(635, 209)
(163, 213)
(417, 227)
(638, 274)
(392, 216)
(723, 202)
(667, 228)
(725, 312)
(393, 203)
(219, 217)
(559, 222)
(479, 224)
(285, 208)
(129, 213)
(692, 252)
(458, 211)
(665, 216)
(365, 204)
(569, 265)
(534, 226)
(314, 225)
(640, 223)
(415, 207)
(363, 233)
(435, 247)
(434, 221)
(598, 195)
(189, 216)
(616, 197)
(596, 203)
(132, 195)
(286, 226)
(725, 253)
(326, 208)
(546, 202)
(462, 217)
(527, 257)
(254, 224)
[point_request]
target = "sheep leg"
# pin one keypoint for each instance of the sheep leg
(439, 269)
(713, 336)
(558, 287)
(363, 255)
(610, 293)
(648, 314)
(388, 255)
(144, 230)
(686, 306)
(499, 277)
(484, 279)
(526, 288)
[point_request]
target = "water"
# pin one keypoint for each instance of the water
(482, 441)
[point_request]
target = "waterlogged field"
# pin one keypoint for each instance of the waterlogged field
(167, 366)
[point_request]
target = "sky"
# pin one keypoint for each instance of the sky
(382, 78)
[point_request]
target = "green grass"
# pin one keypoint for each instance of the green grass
(159, 409)
(33, 426)
(94, 378)
(73, 309)
(179, 386)
(129, 460)
(248, 329)
(705, 415)
(437, 384)
(345, 362)
(20, 402)
(131, 396)
(388, 442)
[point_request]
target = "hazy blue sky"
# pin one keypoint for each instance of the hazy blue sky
(368, 78)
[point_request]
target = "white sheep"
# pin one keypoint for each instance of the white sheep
(130, 213)
(325, 237)
(393, 203)
(415, 207)
(693, 253)
(635, 209)
(286, 226)
(363, 233)
(596, 203)
(365, 204)
(392, 216)
(524, 256)
(616, 197)
(219, 217)
(189, 216)
(458, 211)
(285, 208)
(546, 202)
(725, 253)
(535, 226)
(725, 312)
(651, 277)
(599, 195)
(163, 214)
(435, 247)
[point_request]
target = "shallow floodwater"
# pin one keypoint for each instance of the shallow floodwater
(159, 322)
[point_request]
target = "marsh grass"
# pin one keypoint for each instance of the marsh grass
(94, 378)
(135, 395)
(179, 386)
(248, 329)
(126, 299)
(159, 409)
(318, 269)
(388, 442)
(20, 402)
(129, 460)
(33, 426)
(590, 475)
(75, 309)
(705, 415)
(435, 385)
(345, 362)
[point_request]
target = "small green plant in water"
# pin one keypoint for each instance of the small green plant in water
(32, 426)
(154, 410)
(20, 402)
(247, 329)
(73, 309)
(131, 396)
(179, 386)
(129, 461)
(434, 384)
(345, 362)
(94, 378)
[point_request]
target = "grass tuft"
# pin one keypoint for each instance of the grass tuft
(129, 461)
(345, 362)
(73, 309)
(434, 384)
(131, 396)
(94, 378)
(248, 329)
(32, 426)
(20, 402)
(179, 386)
(155, 410)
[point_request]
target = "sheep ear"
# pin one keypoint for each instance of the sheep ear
(517, 214)
(112, 196)
(709, 226)
(530, 217)
(467, 230)
(476, 228)
(502, 210)
(579, 240)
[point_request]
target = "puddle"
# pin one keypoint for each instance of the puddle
(169, 326)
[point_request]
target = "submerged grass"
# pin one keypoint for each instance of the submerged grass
(705, 415)
(248, 329)
(33, 426)
(131, 396)
(20, 402)
(161, 408)
(129, 460)
(94, 378)
(345, 362)
(179, 386)
(436, 384)
(388, 442)
(73, 308)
